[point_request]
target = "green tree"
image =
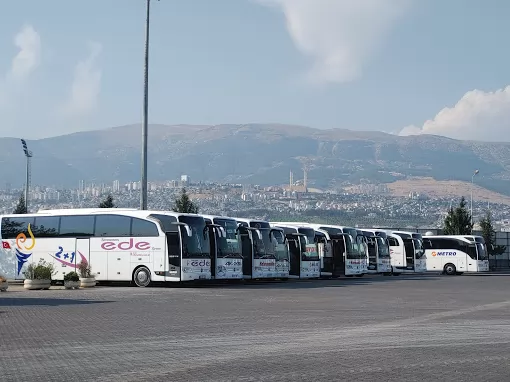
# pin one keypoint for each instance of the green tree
(489, 235)
(184, 204)
(458, 220)
(21, 207)
(107, 202)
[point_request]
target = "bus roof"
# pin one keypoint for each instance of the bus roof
(465, 238)
(212, 217)
(132, 212)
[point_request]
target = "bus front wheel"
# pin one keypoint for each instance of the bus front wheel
(142, 277)
(450, 269)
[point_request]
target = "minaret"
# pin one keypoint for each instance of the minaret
(305, 178)
(291, 181)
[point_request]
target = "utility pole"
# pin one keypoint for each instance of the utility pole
(28, 155)
(143, 182)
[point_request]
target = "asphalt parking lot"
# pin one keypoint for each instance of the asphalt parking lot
(412, 328)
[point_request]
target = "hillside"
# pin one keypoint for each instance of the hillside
(256, 153)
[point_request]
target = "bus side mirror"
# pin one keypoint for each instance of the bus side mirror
(188, 230)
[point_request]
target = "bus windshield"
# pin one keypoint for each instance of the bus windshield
(352, 251)
(418, 248)
(198, 244)
(382, 246)
(308, 251)
(265, 248)
(281, 252)
(482, 252)
(229, 246)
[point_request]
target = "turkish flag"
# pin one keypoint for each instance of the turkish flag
(6, 245)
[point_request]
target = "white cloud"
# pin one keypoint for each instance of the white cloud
(86, 85)
(24, 63)
(478, 115)
(29, 56)
(339, 35)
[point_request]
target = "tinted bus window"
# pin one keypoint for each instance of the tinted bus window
(112, 225)
(46, 226)
(166, 222)
(11, 227)
(140, 227)
(76, 226)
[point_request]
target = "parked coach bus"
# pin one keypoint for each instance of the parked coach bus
(304, 259)
(339, 251)
(260, 249)
(119, 244)
(225, 244)
(379, 260)
(406, 251)
(456, 254)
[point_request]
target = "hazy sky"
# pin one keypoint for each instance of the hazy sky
(408, 66)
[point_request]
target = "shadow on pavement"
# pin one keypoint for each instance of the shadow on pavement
(21, 301)
(304, 284)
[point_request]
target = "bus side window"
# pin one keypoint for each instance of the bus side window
(143, 228)
(427, 244)
(11, 227)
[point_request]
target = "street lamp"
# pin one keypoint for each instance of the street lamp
(28, 155)
(143, 196)
(472, 181)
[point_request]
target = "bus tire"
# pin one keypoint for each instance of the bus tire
(142, 277)
(450, 269)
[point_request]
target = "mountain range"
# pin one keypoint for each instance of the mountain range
(257, 154)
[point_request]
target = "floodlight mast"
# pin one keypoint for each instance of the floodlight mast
(28, 155)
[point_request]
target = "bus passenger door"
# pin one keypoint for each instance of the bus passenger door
(247, 252)
(339, 251)
(173, 240)
(295, 256)
(82, 253)
(213, 242)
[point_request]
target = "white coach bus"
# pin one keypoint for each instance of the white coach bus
(119, 244)
(456, 254)
(225, 243)
(379, 259)
(406, 251)
(264, 249)
(304, 258)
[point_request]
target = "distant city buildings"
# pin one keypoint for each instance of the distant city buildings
(360, 204)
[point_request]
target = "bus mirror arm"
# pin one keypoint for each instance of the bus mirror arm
(188, 229)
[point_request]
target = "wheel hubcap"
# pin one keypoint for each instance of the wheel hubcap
(142, 277)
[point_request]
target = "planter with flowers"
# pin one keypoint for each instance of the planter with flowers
(3, 284)
(87, 279)
(71, 280)
(38, 276)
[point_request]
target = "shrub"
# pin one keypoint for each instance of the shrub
(2, 279)
(41, 271)
(84, 269)
(71, 276)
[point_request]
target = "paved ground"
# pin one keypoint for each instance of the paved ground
(428, 328)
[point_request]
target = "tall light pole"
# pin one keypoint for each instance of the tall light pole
(28, 155)
(143, 196)
(472, 181)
